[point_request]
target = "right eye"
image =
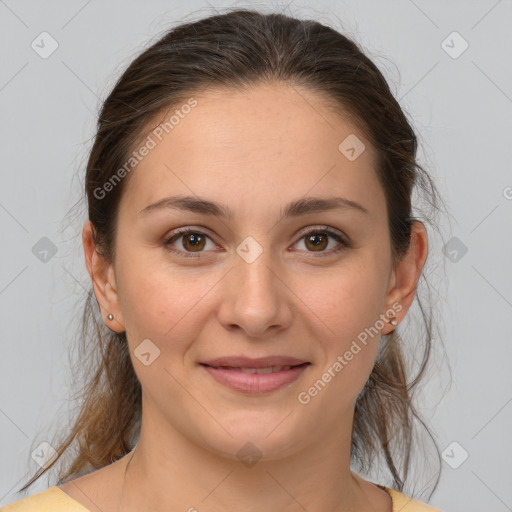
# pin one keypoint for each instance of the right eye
(193, 241)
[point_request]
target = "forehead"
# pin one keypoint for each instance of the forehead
(267, 143)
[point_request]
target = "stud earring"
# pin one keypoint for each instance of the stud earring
(110, 316)
(393, 321)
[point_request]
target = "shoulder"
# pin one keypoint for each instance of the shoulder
(403, 503)
(51, 500)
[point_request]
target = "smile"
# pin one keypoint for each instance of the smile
(253, 380)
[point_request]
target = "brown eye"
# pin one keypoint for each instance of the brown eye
(193, 242)
(316, 241)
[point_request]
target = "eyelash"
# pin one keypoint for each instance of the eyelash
(344, 243)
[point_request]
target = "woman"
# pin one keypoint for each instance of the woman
(252, 250)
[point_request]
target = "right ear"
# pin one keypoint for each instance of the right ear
(103, 280)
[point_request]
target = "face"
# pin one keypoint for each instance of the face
(255, 284)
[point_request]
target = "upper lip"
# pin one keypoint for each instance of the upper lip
(260, 362)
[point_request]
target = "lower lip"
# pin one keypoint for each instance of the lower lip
(255, 383)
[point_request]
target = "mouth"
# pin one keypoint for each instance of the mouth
(259, 371)
(256, 376)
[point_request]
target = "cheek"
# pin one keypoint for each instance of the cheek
(162, 303)
(342, 301)
(342, 310)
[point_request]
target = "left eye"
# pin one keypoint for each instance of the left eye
(318, 240)
(194, 241)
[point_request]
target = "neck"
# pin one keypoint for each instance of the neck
(169, 471)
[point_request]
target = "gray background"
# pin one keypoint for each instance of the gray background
(461, 107)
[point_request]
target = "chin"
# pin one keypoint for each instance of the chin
(258, 436)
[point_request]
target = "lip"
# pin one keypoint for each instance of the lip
(260, 362)
(227, 371)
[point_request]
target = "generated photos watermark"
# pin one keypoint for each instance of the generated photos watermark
(156, 136)
(304, 397)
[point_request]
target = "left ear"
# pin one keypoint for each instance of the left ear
(406, 275)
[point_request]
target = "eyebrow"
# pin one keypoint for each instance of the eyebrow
(296, 208)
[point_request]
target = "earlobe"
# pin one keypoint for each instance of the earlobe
(103, 280)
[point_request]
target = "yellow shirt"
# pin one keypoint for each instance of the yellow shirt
(56, 500)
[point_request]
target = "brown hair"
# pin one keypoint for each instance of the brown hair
(238, 49)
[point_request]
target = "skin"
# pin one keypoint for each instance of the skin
(254, 151)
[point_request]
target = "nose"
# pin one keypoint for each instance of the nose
(255, 298)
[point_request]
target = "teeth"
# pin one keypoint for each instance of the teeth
(270, 369)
